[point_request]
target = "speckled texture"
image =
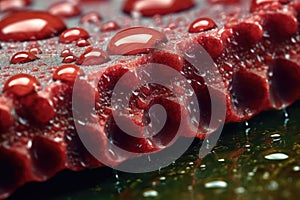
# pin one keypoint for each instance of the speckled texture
(256, 54)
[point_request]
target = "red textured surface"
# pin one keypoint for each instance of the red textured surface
(256, 51)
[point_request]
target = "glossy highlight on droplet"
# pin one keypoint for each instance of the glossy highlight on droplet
(91, 18)
(156, 7)
(93, 56)
(65, 9)
(8, 5)
(136, 40)
(65, 53)
(21, 85)
(202, 24)
(109, 26)
(23, 57)
(72, 35)
(35, 50)
(82, 43)
(69, 59)
(67, 73)
(30, 25)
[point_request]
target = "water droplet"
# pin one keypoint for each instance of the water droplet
(82, 43)
(35, 50)
(273, 185)
(276, 156)
(67, 73)
(202, 24)
(92, 56)
(136, 40)
(156, 7)
(8, 5)
(275, 137)
(72, 35)
(64, 9)
(21, 85)
(39, 25)
(69, 59)
(150, 193)
(81, 122)
(91, 18)
(109, 26)
(65, 53)
(296, 168)
(216, 184)
(23, 57)
(251, 174)
(240, 190)
(266, 175)
(286, 117)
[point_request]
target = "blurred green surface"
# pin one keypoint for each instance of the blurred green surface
(258, 159)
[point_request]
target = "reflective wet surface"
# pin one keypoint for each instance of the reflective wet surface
(257, 159)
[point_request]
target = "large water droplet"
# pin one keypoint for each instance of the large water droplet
(156, 7)
(30, 25)
(136, 40)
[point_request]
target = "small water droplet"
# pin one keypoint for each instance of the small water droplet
(286, 117)
(273, 185)
(266, 175)
(296, 168)
(191, 163)
(150, 193)
(275, 137)
(216, 184)
(246, 123)
(81, 123)
(240, 190)
(250, 173)
(201, 25)
(276, 156)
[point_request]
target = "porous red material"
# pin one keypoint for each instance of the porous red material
(254, 44)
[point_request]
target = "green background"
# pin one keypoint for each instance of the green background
(259, 159)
